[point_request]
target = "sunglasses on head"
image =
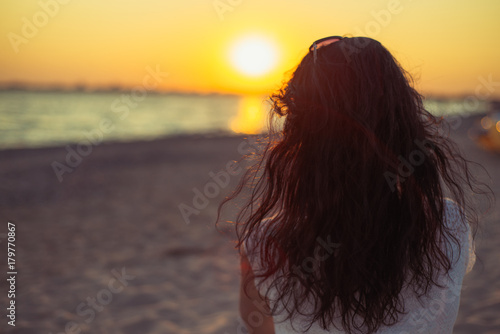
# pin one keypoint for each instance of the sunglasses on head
(324, 42)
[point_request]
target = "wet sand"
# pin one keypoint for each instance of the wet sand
(107, 250)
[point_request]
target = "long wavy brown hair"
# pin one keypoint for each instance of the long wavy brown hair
(358, 166)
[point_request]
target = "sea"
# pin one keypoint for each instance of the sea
(30, 119)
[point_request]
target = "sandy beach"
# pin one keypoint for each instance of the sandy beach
(107, 249)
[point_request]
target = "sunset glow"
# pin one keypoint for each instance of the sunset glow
(242, 47)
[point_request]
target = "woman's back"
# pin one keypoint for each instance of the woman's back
(434, 313)
(354, 182)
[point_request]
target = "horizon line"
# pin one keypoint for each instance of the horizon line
(116, 88)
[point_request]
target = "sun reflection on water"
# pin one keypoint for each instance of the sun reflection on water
(251, 117)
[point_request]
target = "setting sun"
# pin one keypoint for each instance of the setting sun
(253, 56)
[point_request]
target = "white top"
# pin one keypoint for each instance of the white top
(434, 313)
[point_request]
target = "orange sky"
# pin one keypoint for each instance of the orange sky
(451, 47)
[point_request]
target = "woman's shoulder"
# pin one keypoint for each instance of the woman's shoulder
(458, 227)
(454, 217)
(452, 209)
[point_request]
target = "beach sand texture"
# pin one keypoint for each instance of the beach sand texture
(116, 216)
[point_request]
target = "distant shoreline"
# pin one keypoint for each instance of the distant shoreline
(89, 90)
(60, 88)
